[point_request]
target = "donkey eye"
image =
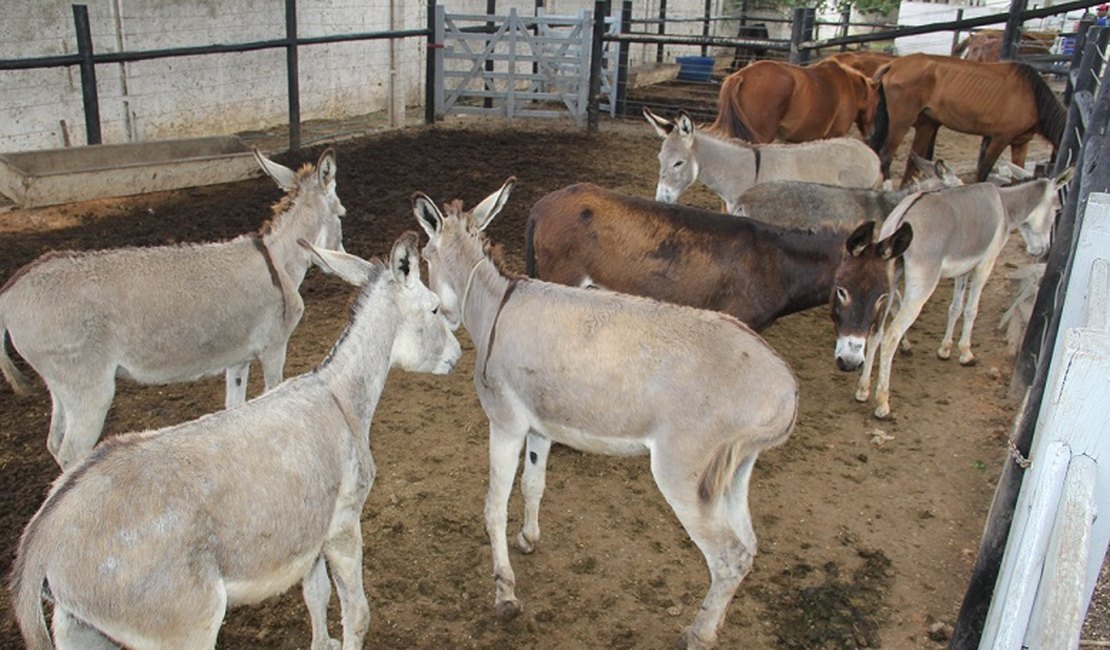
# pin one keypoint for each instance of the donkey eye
(842, 294)
(679, 163)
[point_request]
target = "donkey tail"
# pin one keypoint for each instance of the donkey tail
(28, 578)
(727, 458)
(18, 381)
(530, 246)
(731, 121)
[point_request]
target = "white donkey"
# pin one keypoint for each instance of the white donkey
(730, 167)
(167, 313)
(615, 374)
(957, 233)
(149, 540)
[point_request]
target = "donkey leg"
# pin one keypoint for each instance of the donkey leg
(273, 366)
(344, 553)
(505, 444)
(316, 588)
(739, 514)
(955, 308)
(712, 527)
(69, 632)
(978, 280)
(85, 407)
(863, 387)
(532, 483)
(57, 425)
(918, 287)
(236, 384)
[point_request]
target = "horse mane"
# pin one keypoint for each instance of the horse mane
(1051, 117)
(731, 121)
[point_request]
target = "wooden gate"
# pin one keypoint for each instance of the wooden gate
(519, 66)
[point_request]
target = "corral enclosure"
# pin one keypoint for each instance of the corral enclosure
(867, 530)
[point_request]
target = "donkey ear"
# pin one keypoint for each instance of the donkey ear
(351, 268)
(662, 125)
(404, 260)
(427, 214)
(860, 238)
(484, 212)
(325, 168)
(285, 178)
(685, 125)
(896, 244)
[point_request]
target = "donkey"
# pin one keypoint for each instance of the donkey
(614, 374)
(729, 167)
(150, 539)
(167, 313)
(583, 235)
(801, 204)
(958, 233)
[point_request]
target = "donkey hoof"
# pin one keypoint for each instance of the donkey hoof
(969, 361)
(882, 412)
(524, 544)
(862, 394)
(690, 641)
(507, 610)
(944, 354)
(335, 644)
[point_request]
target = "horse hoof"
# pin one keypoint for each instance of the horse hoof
(522, 543)
(507, 610)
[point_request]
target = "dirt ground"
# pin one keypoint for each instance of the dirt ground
(862, 543)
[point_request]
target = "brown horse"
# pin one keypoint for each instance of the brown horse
(863, 61)
(769, 99)
(1006, 103)
(584, 235)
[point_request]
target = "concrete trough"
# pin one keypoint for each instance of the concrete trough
(36, 178)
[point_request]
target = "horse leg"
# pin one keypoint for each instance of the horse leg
(86, 406)
(343, 551)
(235, 378)
(1018, 151)
(505, 443)
(316, 588)
(989, 151)
(532, 483)
(69, 632)
(924, 142)
(955, 308)
(717, 528)
(978, 280)
(918, 288)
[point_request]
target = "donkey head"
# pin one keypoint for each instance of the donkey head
(311, 192)
(1036, 229)
(678, 168)
(423, 341)
(450, 236)
(861, 289)
(930, 175)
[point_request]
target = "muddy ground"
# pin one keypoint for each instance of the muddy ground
(861, 544)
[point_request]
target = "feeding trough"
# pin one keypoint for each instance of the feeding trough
(51, 176)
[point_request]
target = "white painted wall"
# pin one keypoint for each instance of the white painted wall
(230, 93)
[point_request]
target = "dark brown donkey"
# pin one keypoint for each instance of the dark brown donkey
(584, 235)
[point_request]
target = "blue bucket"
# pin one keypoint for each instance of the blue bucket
(694, 68)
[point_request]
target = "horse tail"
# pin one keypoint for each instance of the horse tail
(1051, 116)
(731, 120)
(28, 578)
(880, 128)
(530, 246)
(18, 382)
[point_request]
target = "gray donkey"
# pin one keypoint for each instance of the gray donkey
(149, 540)
(166, 313)
(697, 391)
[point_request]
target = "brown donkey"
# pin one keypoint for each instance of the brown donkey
(584, 235)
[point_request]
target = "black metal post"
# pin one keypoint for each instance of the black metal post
(797, 34)
(705, 24)
(661, 31)
(956, 33)
(845, 19)
(1085, 24)
(430, 67)
(622, 57)
(1012, 34)
(88, 74)
(592, 110)
(491, 9)
(292, 74)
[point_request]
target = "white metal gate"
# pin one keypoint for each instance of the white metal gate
(519, 66)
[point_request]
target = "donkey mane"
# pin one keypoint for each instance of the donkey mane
(1051, 117)
(285, 203)
(376, 272)
(495, 252)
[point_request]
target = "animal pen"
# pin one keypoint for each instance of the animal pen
(578, 66)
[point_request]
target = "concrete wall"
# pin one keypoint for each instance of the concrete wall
(229, 93)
